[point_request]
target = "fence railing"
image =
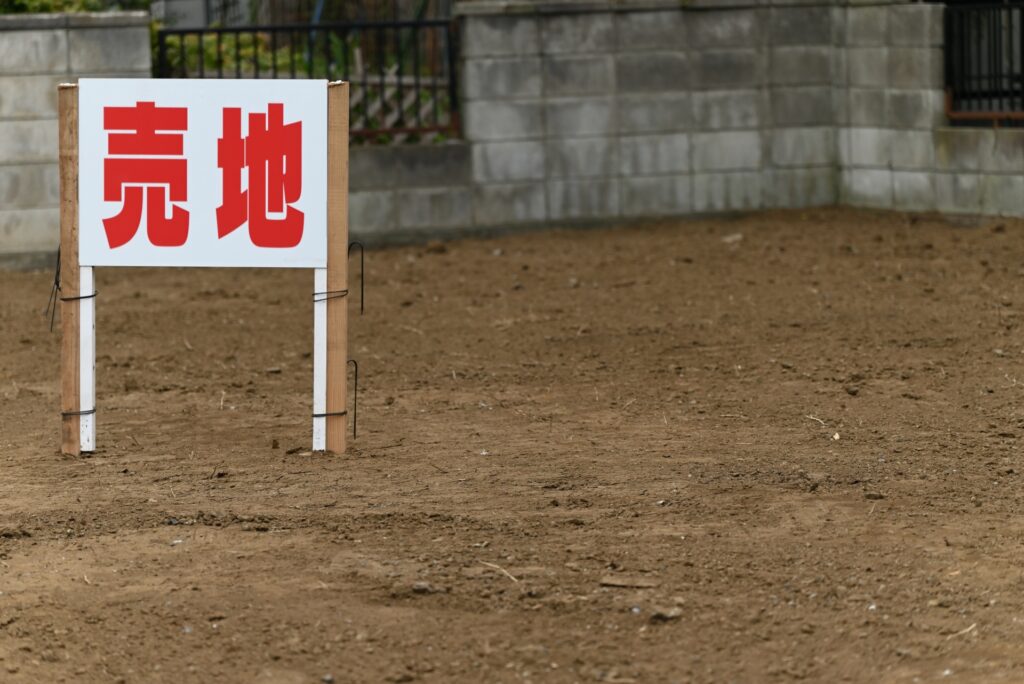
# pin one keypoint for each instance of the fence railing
(984, 60)
(402, 73)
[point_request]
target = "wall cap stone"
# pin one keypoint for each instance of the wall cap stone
(500, 7)
(64, 20)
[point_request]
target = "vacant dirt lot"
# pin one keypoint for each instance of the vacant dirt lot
(779, 447)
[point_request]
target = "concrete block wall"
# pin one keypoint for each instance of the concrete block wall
(634, 113)
(37, 52)
(894, 111)
(603, 110)
(897, 150)
(801, 85)
(409, 188)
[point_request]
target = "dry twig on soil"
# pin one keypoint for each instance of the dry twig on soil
(500, 569)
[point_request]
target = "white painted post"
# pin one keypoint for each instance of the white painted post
(87, 357)
(320, 359)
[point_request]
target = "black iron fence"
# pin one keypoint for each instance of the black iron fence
(984, 54)
(402, 73)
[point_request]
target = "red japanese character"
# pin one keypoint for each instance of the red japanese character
(272, 153)
(148, 160)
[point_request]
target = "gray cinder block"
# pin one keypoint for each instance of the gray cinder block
(870, 147)
(578, 75)
(654, 154)
(915, 68)
(587, 199)
(506, 204)
(652, 30)
(805, 106)
(1002, 194)
(724, 28)
(29, 141)
(838, 69)
(501, 162)
(29, 230)
(434, 208)
(372, 212)
(105, 50)
(579, 117)
(656, 196)
(718, 110)
(34, 52)
(803, 146)
(867, 26)
(577, 33)
(963, 149)
(733, 150)
(958, 192)
(1007, 151)
(655, 112)
(500, 35)
(27, 186)
(840, 108)
(375, 167)
(652, 72)
(497, 120)
(726, 191)
(804, 187)
(802, 65)
(917, 25)
(920, 109)
(726, 69)
(867, 107)
(912, 150)
(581, 157)
(868, 187)
(868, 67)
(502, 77)
(29, 97)
(801, 25)
(913, 191)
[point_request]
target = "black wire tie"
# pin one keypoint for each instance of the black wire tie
(330, 294)
(68, 414)
(75, 299)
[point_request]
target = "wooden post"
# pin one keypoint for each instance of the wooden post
(337, 264)
(70, 358)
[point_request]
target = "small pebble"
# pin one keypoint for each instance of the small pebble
(666, 614)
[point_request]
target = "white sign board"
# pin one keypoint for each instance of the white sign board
(202, 173)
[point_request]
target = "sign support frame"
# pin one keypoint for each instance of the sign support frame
(78, 302)
(76, 294)
(337, 268)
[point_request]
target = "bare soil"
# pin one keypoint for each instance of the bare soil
(779, 447)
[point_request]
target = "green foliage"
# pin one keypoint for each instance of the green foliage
(316, 53)
(242, 53)
(47, 6)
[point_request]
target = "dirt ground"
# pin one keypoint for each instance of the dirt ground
(777, 447)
